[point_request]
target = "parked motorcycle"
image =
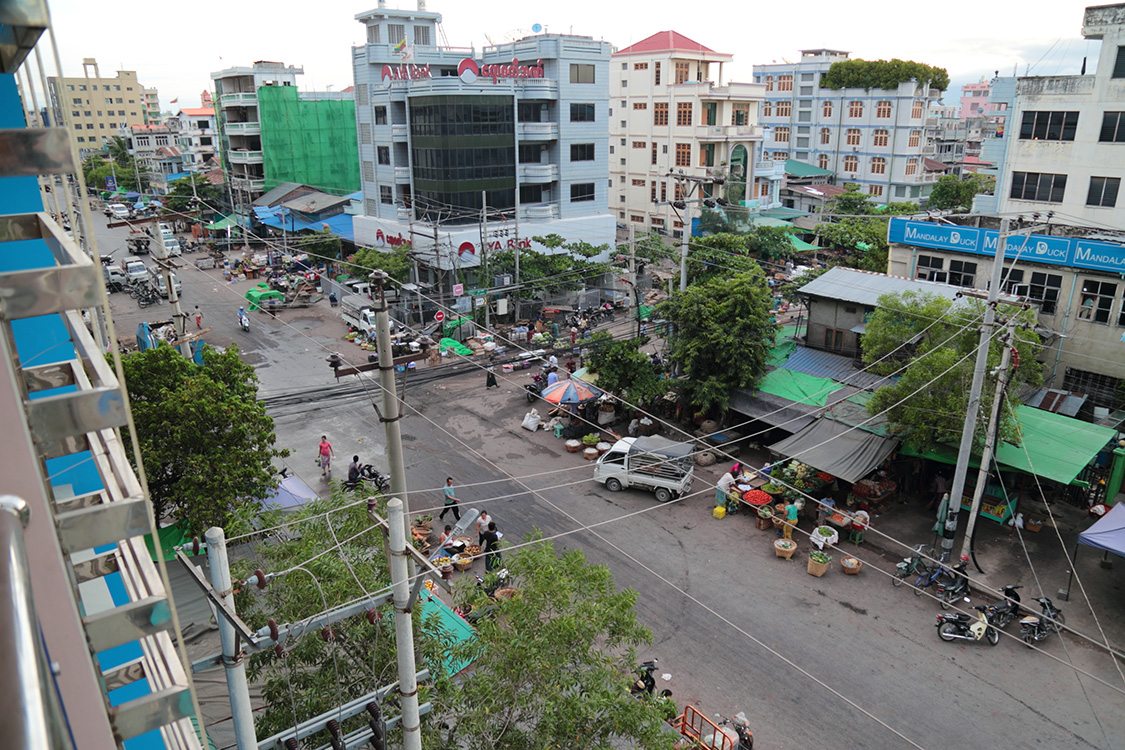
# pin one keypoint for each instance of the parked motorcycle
(952, 590)
(1001, 613)
(646, 683)
(535, 389)
(369, 476)
(1035, 628)
(737, 730)
(963, 627)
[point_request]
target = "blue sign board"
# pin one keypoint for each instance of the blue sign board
(1035, 248)
(110, 183)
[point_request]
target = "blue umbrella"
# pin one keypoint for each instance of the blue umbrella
(132, 194)
(573, 391)
(138, 205)
(156, 204)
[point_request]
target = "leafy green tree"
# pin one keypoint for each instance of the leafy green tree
(396, 261)
(718, 256)
(96, 168)
(882, 74)
(321, 244)
(773, 243)
(624, 370)
(859, 227)
(722, 332)
(790, 291)
(649, 249)
(551, 271)
(118, 150)
(181, 196)
(946, 337)
(955, 193)
(206, 442)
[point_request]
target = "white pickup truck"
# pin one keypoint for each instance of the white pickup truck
(656, 464)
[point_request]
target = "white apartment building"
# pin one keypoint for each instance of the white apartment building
(882, 140)
(1065, 147)
(197, 137)
(668, 114)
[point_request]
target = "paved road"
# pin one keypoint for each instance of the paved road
(737, 628)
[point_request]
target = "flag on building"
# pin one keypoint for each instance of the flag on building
(175, 100)
(400, 46)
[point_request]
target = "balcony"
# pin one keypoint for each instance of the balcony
(773, 169)
(239, 99)
(538, 131)
(244, 128)
(729, 132)
(402, 174)
(542, 211)
(538, 173)
(249, 184)
(398, 131)
(242, 156)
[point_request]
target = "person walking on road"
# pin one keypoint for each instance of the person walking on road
(198, 317)
(325, 456)
(451, 501)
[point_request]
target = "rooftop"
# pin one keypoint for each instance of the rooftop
(866, 287)
(804, 169)
(199, 112)
(667, 41)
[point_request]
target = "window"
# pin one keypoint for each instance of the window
(640, 105)
(639, 220)
(962, 273)
(878, 165)
(710, 113)
(372, 34)
(81, 139)
(422, 35)
(883, 110)
(81, 87)
(881, 138)
(581, 112)
(767, 109)
(916, 110)
(582, 73)
(682, 69)
(912, 166)
(784, 109)
(654, 153)
(396, 32)
(1033, 186)
(785, 82)
(640, 66)
(683, 113)
(1103, 191)
(825, 136)
(581, 152)
(639, 144)
(769, 83)
(852, 136)
(1119, 64)
(781, 135)
(161, 140)
(380, 115)
(1097, 301)
(707, 155)
(582, 191)
(99, 113)
(656, 73)
(822, 161)
(1044, 289)
(652, 192)
(875, 190)
(679, 193)
(828, 109)
(855, 109)
(915, 139)
(663, 192)
(1048, 126)
(930, 268)
(1113, 128)
(624, 83)
(779, 155)
(660, 113)
(833, 340)
(740, 114)
(683, 154)
(385, 194)
(638, 183)
(368, 172)
(851, 163)
(384, 154)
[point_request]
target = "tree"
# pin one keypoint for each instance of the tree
(184, 190)
(722, 332)
(321, 244)
(624, 370)
(946, 335)
(206, 442)
(859, 227)
(773, 243)
(551, 271)
(718, 256)
(955, 193)
(397, 261)
(882, 74)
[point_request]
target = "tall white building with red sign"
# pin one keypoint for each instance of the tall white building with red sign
(515, 134)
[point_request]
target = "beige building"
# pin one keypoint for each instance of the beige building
(97, 108)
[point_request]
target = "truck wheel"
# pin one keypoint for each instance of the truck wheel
(613, 485)
(663, 495)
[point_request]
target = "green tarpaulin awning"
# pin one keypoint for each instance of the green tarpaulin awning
(1057, 447)
(800, 245)
(222, 224)
(170, 537)
(644, 311)
(799, 387)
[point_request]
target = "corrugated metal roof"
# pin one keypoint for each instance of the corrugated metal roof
(1059, 402)
(804, 169)
(833, 366)
(865, 287)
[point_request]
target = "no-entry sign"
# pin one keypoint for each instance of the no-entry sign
(439, 316)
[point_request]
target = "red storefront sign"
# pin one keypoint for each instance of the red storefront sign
(469, 70)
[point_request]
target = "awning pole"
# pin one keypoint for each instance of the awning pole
(1064, 594)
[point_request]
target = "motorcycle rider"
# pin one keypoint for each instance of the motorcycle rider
(353, 470)
(243, 321)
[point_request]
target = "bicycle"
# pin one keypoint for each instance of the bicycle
(930, 577)
(914, 565)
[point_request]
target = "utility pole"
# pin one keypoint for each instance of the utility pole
(684, 235)
(164, 263)
(517, 251)
(390, 415)
(404, 627)
(233, 661)
(990, 435)
(484, 253)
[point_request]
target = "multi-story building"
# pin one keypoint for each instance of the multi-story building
(197, 136)
(96, 108)
(668, 114)
(878, 139)
(1063, 150)
(240, 127)
(154, 148)
(517, 135)
(151, 98)
(976, 100)
(309, 137)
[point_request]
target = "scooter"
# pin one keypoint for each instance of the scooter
(737, 730)
(369, 475)
(950, 591)
(1001, 613)
(1035, 628)
(645, 684)
(244, 322)
(961, 626)
(535, 389)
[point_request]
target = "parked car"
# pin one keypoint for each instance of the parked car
(118, 210)
(134, 268)
(158, 282)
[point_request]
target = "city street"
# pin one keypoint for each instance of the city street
(839, 661)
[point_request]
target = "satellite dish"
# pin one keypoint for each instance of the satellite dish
(536, 28)
(516, 34)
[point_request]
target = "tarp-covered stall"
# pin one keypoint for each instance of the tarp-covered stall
(1108, 533)
(838, 449)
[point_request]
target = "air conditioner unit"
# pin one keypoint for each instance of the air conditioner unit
(504, 279)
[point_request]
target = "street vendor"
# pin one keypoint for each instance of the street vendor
(825, 509)
(722, 489)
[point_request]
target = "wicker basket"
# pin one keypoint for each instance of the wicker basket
(782, 550)
(505, 593)
(818, 569)
(850, 565)
(463, 562)
(778, 521)
(763, 523)
(590, 454)
(573, 446)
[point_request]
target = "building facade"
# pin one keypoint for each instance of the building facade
(1065, 141)
(96, 108)
(197, 137)
(155, 150)
(667, 115)
(310, 138)
(240, 126)
(516, 134)
(875, 138)
(976, 100)
(1074, 282)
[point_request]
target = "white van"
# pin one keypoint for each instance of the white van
(656, 464)
(171, 245)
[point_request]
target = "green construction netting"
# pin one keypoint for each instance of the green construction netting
(308, 141)
(1058, 447)
(222, 224)
(797, 386)
(455, 346)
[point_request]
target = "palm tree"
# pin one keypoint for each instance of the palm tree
(118, 149)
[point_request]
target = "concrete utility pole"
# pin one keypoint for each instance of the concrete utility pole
(233, 661)
(484, 253)
(390, 416)
(404, 627)
(990, 435)
(684, 246)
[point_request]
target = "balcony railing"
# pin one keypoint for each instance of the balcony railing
(772, 168)
(249, 184)
(239, 99)
(244, 128)
(245, 157)
(539, 172)
(729, 132)
(542, 211)
(538, 131)
(402, 174)
(398, 131)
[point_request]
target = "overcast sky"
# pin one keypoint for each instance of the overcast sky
(175, 47)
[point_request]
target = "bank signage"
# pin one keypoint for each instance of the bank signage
(1035, 248)
(382, 240)
(405, 72)
(469, 70)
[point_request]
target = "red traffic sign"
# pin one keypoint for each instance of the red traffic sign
(439, 316)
